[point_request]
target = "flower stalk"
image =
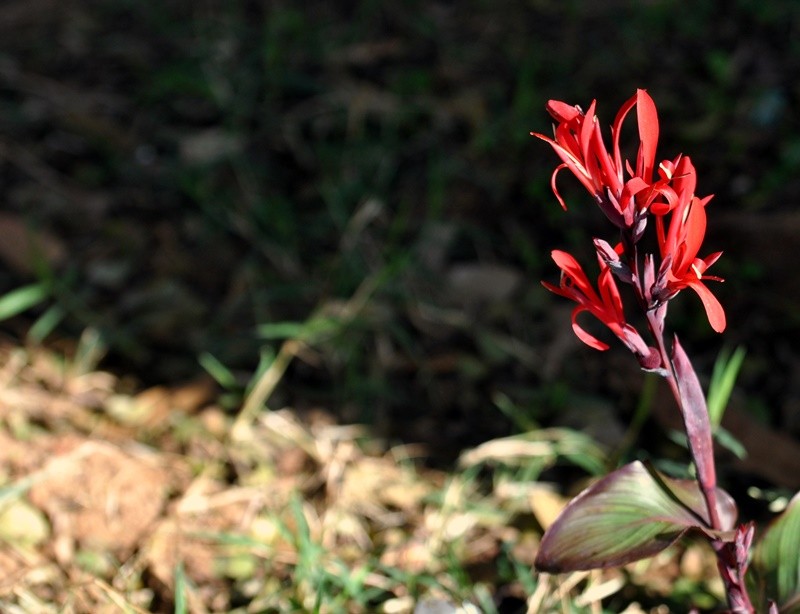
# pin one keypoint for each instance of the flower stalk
(636, 196)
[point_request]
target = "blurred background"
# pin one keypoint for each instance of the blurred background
(199, 182)
(335, 211)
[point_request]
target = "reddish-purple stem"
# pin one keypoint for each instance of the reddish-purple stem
(683, 383)
(699, 435)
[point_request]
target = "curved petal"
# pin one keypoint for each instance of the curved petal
(561, 111)
(635, 185)
(666, 169)
(590, 340)
(661, 208)
(570, 162)
(616, 127)
(554, 186)
(557, 290)
(573, 270)
(714, 310)
(610, 293)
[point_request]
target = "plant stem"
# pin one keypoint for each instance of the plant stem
(699, 435)
(706, 479)
(698, 432)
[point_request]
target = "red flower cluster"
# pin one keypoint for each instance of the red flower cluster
(629, 196)
(605, 305)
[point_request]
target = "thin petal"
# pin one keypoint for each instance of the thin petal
(557, 290)
(554, 186)
(616, 127)
(572, 269)
(611, 172)
(648, 134)
(587, 128)
(582, 289)
(695, 229)
(706, 199)
(712, 258)
(569, 161)
(660, 235)
(590, 340)
(610, 293)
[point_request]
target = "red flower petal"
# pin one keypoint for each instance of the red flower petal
(714, 310)
(561, 111)
(695, 233)
(616, 127)
(648, 134)
(590, 340)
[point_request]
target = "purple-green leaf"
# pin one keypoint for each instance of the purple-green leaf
(695, 415)
(775, 570)
(630, 514)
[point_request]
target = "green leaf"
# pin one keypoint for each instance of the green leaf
(265, 361)
(776, 561)
(46, 323)
(726, 439)
(223, 376)
(723, 379)
(310, 331)
(22, 299)
(633, 513)
(181, 602)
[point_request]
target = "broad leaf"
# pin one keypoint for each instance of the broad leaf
(775, 570)
(630, 514)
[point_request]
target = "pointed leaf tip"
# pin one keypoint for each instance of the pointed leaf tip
(775, 570)
(695, 414)
(632, 513)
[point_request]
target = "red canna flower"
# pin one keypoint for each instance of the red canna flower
(666, 191)
(605, 305)
(579, 143)
(680, 266)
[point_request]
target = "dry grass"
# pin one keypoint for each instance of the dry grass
(151, 501)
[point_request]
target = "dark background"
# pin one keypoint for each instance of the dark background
(192, 174)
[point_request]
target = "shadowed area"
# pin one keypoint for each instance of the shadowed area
(254, 224)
